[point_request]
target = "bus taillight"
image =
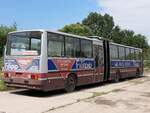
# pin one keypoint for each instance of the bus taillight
(35, 77)
(6, 75)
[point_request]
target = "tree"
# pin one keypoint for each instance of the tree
(77, 29)
(4, 30)
(103, 26)
(128, 37)
(116, 35)
(100, 25)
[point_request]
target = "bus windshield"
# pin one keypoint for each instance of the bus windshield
(24, 44)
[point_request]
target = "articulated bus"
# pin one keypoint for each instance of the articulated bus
(47, 60)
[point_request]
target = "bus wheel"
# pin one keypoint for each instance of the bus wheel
(137, 73)
(117, 77)
(70, 83)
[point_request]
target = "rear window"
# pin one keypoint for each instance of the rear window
(24, 43)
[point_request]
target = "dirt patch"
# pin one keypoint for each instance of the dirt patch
(126, 103)
(102, 101)
(118, 90)
(146, 95)
(140, 80)
(129, 105)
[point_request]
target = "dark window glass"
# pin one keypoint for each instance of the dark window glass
(86, 48)
(98, 55)
(72, 46)
(128, 54)
(137, 52)
(140, 55)
(121, 53)
(69, 45)
(77, 47)
(35, 44)
(113, 51)
(132, 54)
(55, 45)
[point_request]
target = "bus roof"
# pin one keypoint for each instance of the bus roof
(92, 38)
(51, 31)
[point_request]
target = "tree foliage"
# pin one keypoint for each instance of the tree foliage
(128, 37)
(77, 29)
(104, 26)
(99, 25)
(4, 30)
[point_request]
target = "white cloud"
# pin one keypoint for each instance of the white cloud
(129, 14)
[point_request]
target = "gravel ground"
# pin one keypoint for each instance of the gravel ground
(128, 96)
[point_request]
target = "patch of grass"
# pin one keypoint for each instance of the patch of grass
(1, 63)
(95, 94)
(3, 87)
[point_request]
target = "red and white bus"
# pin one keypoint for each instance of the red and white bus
(47, 60)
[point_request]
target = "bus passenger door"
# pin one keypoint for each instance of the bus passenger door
(99, 63)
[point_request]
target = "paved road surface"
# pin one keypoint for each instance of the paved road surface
(130, 96)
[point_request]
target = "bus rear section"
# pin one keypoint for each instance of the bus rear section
(125, 62)
(22, 60)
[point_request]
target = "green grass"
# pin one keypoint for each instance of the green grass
(2, 84)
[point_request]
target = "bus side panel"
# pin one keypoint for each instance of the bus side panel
(124, 68)
(60, 68)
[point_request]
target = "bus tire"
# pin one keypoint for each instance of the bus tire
(70, 83)
(117, 77)
(137, 73)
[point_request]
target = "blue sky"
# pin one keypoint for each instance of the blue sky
(54, 14)
(48, 14)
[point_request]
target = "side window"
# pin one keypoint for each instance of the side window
(86, 48)
(69, 42)
(128, 54)
(132, 54)
(121, 53)
(140, 55)
(137, 52)
(113, 51)
(77, 47)
(72, 47)
(55, 45)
